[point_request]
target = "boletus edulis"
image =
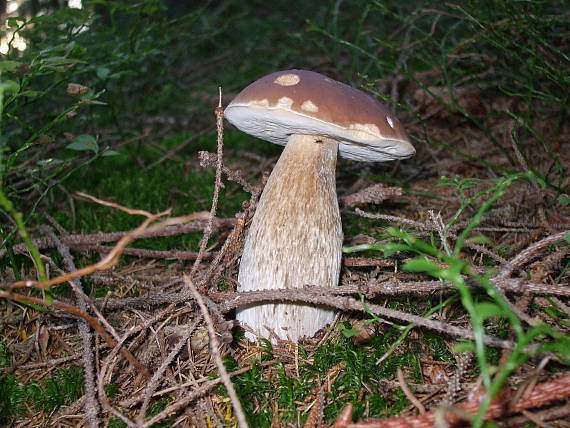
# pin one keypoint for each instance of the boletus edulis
(295, 236)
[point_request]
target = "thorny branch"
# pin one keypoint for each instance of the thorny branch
(112, 258)
(91, 406)
(219, 112)
(215, 347)
(373, 288)
(313, 296)
(92, 241)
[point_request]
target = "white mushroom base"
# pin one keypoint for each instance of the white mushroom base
(295, 239)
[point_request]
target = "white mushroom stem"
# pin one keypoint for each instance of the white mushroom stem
(295, 239)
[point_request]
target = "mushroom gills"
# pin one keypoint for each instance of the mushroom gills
(295, 239)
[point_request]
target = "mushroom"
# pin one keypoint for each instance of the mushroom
(295, 236)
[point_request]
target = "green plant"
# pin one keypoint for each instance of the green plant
(4, 356)
(116, 423)
(156, 407)
(28, 167)
(12, 398)
(63, 388)
(12, 393)
(254, 393)
(456, 270)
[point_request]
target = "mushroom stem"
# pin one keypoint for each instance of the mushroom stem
(295, 239)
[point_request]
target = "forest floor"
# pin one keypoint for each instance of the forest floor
(453, 297)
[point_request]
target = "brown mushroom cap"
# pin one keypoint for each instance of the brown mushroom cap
(304, 102)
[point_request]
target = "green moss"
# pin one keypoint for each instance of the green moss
(12, 399)
(112, 389)
(116, 423)
(156, 407)
(63, 388)
(437, 346)
(255, 394)
(167, 185)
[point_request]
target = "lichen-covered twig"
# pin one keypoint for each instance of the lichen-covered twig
(91, 241)
(317, 296)
(219, 112)
(215, 348)
(91, 406)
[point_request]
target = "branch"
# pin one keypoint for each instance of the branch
(91, 406)
(79, 314)
(86, 241)
(112, 258)
(313, 296)
(215, 347)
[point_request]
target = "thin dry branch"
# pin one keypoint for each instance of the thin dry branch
(149, 254)
(93, 322)
(374, 287)
(409, 395)
(112, 258)
(375, 194)
(215, 348)
(105, 366)
(49, 363)
(131, 211)
(91, 406)
(154, 382)
(91, 241)
(525, 255)
(559, 412)
(317, 414)
(103, 374)
(219, 112)
(417, 224)
(318, 296)
(208, 159)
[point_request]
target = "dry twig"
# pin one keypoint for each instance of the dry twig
(111, 259)
(409, 395)
(321, 296)
(219, 112)
(91, 241)
(91, 406)
(215, 347)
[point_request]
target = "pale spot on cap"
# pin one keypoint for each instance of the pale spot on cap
(365, 131)
(287, 79)
(285, 102)
(309, 106)
(390, 121)
(260, 103)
